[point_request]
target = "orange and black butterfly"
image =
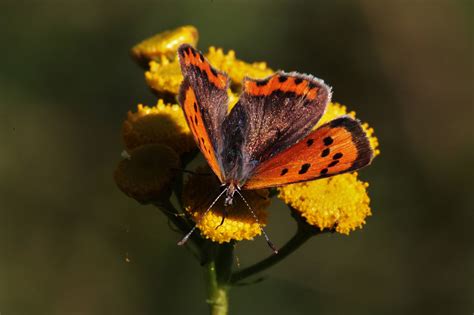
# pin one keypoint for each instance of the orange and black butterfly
(267, 139)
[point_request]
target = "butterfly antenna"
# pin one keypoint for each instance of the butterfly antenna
(186, 237)
(275, 250)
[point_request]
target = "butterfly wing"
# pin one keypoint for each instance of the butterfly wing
(337, 147)
(271, 115)
(203, 96)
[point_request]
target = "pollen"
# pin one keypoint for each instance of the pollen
(199, 192)
(340, 202)
(162, 123)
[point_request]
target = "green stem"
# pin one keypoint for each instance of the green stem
(218, 275)
(300, 237)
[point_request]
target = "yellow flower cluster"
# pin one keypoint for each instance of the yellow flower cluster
(340, 202)
(201, 190)
(162, 123)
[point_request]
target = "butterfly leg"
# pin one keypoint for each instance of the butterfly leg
(224, 216)
(270, 244)
(186, 237)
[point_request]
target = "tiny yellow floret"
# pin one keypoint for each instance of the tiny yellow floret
(164, 44)
(340, 202)
(162, 123)
(199, 192)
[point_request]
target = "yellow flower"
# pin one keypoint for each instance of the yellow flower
(335, 110)
(235, 68)
(339, 202)
(198, 194)
(164, 44)
(147, 172)
(164, 76)
(162, 123)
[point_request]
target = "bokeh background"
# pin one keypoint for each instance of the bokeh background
(67, 232)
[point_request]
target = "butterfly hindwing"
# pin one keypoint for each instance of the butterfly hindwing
(337, 147)
(273, 114)
(203, 96)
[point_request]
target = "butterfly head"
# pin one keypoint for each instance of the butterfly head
(229, 196)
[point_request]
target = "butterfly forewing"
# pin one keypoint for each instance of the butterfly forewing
(273, 114)
(203, 96)
(337, 147)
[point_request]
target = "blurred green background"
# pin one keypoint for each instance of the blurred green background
(67, 81)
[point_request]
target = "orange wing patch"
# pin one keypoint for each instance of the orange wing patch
(282, 82)
(337, 147)
(193, 116)
(195, 58)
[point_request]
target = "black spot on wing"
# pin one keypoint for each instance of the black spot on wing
(359, 138)
(324, 171)
(333, 163)
(283, 171)
(261, 83)
(337, 156)
(325, 152)
(310, 142)
(328, 141)
(304, 168)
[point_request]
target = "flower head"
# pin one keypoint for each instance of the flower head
(236, 69)
(201, 190)
(147, 172)
(162, 123)
(340, 202)
(164, 44)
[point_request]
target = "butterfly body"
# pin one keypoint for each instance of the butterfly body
(268, 138)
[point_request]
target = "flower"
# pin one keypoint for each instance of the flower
(236, 69)
(146, 174)
(340, 202)
(164, 44)
(162, 123)
(199, 192)
(164, 75)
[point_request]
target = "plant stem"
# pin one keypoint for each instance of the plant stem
(300, 237)
(218, 275)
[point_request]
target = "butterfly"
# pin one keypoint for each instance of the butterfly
(267, 139)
